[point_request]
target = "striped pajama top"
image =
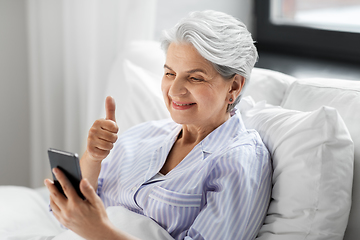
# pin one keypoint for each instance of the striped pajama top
(220, 190)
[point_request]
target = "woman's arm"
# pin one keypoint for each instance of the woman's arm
(102, 136)
(90, 169)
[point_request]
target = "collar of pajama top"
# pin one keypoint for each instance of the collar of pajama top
(228, 167)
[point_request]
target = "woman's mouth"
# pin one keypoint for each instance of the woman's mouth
(182, 105)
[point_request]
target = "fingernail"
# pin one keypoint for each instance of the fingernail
(55, 171)
(47, 182)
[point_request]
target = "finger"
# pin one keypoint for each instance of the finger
(57, 197)
(110, 108)
(104, 145)
(56, 211)
(110, 125)
(65, 184)
(88, 192)
(54, 208)
(100, 144)
(107, 135)
(48, 183)
(53, 189)
(104, 129)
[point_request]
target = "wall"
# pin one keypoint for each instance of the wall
(170, 11)
(14, 94)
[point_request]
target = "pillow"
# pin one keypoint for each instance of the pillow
(344, 95)
(147, 55)
(312, 154)
(137, 94)
(268, 85)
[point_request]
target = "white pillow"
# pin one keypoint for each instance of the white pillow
(268, 85)
(147, 55)
(312, 155)
(137, 94)
(344, 95)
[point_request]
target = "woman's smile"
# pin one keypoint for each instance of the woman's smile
(182, 105)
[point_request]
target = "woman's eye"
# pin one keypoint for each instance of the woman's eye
(169, 74)
(196, 79)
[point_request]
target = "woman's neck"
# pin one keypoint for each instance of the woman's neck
(192, 134)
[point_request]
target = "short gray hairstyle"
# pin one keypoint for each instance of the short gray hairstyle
(221, 39)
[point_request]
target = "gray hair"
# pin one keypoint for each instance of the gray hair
(219, 38)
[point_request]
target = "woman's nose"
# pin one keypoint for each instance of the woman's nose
(178, 87)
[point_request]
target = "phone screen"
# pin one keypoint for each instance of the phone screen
(68, 163)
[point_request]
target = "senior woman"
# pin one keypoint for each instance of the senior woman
(200, 174)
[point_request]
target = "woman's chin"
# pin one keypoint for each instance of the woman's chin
(181, 118)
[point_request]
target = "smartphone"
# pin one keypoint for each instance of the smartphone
(68, 163)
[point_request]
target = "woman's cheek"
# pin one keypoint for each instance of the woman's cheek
(165, 90)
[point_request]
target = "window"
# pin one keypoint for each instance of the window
(326, 28)
(338, 15)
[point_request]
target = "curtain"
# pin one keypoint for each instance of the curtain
(72, 45)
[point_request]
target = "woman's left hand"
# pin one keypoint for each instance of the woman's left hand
(88, 217)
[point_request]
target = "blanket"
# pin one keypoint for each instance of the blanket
(24, 214)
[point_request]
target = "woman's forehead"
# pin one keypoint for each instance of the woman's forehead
(185, 56)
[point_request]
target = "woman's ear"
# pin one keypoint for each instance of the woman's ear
(236, 85)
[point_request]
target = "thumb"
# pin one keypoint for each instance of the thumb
(110, 108)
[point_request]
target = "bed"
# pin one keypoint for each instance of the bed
(310, 126)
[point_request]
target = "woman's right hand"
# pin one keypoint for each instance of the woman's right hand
(103, 134)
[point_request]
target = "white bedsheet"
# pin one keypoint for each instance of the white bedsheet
(24, 214)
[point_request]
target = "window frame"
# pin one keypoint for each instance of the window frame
(303, 40)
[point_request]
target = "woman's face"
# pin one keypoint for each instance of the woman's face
(194, 92)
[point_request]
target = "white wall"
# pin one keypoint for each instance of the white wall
(14, 94)
(169, 12)
(14, 88)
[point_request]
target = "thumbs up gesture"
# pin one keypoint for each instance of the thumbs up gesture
(103, 133)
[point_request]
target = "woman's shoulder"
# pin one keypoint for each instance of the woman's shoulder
(244, 151)
(237, 138)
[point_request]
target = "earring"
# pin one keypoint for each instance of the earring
(230, 100)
